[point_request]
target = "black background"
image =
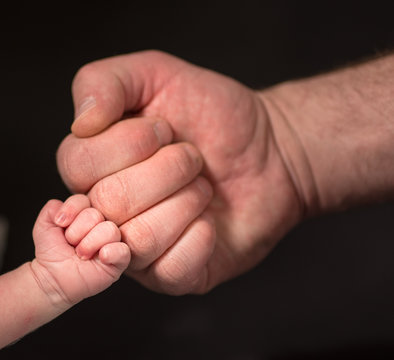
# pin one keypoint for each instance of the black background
(325, 292)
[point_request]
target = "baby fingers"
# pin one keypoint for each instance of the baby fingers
(116, 254)
(102, 234)
(85, 221)
(70, 209)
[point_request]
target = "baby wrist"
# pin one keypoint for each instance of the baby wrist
(49, 288)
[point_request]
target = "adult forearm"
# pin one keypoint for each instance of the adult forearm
(336, 134)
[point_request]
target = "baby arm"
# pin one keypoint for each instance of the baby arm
(78, 254)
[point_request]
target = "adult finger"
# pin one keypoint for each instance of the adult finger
(182, 268)
(129, 192)
(105, 89)
(84, 161)
(152, 232)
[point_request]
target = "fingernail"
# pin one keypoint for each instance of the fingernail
(204, 186)
(82, 257)
(193, 153)
(87, 104)
(60, 218)
(163, 132)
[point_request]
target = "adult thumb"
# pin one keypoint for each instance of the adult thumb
(104, 90)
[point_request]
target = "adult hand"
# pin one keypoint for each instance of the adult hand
(149, 190)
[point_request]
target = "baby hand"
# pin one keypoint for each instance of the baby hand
(78, 253)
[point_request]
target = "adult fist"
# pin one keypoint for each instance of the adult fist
(142, 175)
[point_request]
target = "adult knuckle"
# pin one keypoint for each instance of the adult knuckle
(75, 164)
(202, 285)
(111, 198)
(174, 277)
(141, 142)
(206, 231)
(199, 196)
(99, 194)
(183, 162)
(156, 55)
(143, 240)
(85, 72)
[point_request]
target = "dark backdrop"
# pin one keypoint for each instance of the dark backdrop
(325, 292)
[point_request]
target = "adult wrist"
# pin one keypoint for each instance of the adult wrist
(290, 146)
(335, 132)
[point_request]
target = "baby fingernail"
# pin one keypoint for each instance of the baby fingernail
(60, 219)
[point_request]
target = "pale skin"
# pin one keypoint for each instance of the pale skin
(204, 175)
(77, 255)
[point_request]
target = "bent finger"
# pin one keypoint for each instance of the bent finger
(105, 89)
(116, 254)
(85, 221)
(129, 192)
(152, 232)
(183, 266)
(104, 233)
(70, 209)
(84, 161)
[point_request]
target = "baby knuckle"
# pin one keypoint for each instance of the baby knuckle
(111, 230)
(72, 235)
(52, 203)
(94, 215)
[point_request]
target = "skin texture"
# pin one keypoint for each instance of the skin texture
(336, 134)
(272, 157)
(78, 254)
(66, 264)
(183, 239)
